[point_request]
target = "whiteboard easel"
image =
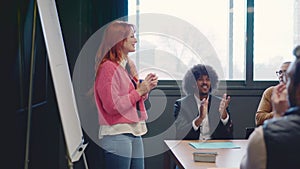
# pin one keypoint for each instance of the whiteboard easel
(62, 80)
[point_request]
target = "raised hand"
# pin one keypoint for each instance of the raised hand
(279, 100)
(202, 112)
(223, 106)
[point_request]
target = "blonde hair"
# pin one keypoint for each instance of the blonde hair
(112, 42)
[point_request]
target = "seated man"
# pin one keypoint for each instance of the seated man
(265, 110)
(275, 144)
(201, 115)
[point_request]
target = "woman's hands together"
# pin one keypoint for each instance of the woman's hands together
(147, 84)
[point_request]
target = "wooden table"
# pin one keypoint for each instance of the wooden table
(182, 153)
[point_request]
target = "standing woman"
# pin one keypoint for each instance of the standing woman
(120, 98)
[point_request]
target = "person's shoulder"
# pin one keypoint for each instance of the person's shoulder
(256, 137)
(269, 89)
(109, 63)
(185, 98)
(185, 101)
(291, 115)
(109, 66)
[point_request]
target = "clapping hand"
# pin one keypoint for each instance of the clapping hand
(279, 100)
(202, 112)
(147, 84)
(223, 106)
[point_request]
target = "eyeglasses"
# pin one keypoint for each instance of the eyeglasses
(280, 72)
(282, 75)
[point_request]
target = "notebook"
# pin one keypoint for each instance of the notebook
(214, 145)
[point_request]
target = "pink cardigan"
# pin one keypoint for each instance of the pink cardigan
(116, 97)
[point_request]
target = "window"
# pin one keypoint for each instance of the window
(275, 33)
(216, 36)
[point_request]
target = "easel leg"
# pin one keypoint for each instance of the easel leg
(85, 161)
(70, 163)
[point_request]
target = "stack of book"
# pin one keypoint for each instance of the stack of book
(205, 156)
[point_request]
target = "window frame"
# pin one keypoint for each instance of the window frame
(249, 86)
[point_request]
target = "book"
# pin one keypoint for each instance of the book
(205, 157)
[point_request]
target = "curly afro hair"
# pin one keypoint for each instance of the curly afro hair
(191, 76)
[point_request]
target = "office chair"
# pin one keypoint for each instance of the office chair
(249, 130)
